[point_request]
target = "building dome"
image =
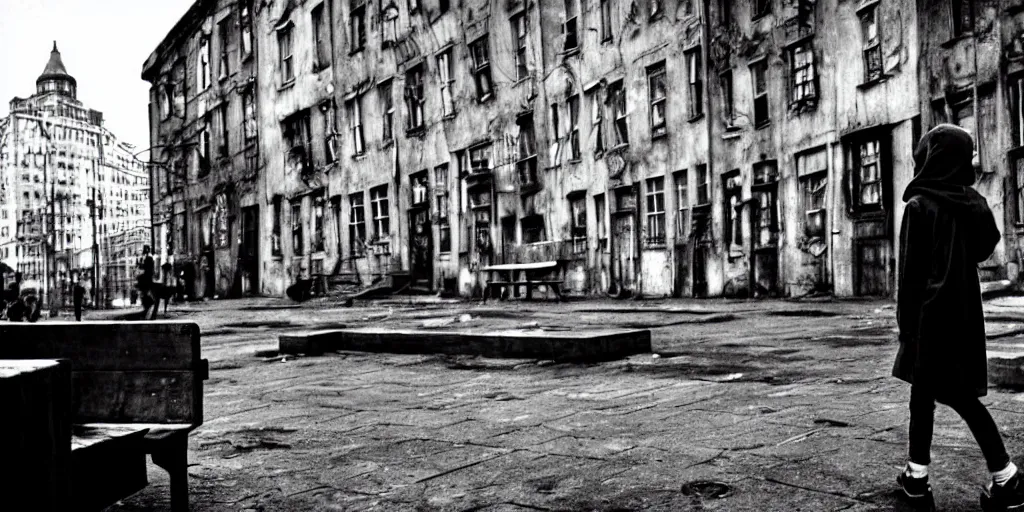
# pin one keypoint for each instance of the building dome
(55, 77)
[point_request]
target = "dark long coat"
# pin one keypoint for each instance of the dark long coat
(947, 230)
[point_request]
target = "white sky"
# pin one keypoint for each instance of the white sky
(103, 45)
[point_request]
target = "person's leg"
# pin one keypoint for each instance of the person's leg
(984, 429)
(922, 417)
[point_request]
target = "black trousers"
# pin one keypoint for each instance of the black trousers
(922, 421)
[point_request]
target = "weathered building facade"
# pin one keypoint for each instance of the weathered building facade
(74, 200)
(205, 155)
(660, 147)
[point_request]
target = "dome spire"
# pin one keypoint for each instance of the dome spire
(55, 76)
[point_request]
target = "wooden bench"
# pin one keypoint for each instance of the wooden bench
(136, 389)
(531, 278)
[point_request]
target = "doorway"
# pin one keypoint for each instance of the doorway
(250, 248)
(422, 247)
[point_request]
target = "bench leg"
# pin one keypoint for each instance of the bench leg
(172, 456)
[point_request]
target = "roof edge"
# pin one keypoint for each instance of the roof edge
(190, 19)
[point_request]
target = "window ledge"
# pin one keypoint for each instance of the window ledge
(449, 117)
(607, 40)
(419, 131)
(277, 257)
(619, 147)
(286, 85)
(871, 83)
(653, 246)
(760, 16)
(763, 125)
(360, 156)
(520, 81)
(574, 161)
(570, 52)
(954, 40)
(387, 143)
(487, 97)
(698, 117)
(661, 135)
(356, 51)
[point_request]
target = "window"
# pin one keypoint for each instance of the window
(656, 92)
(414, 6)
(687, 7)
(321, 39)
(205, 150)
(318, 223)
(414, 97)
(682, 204)
(245, 20)
(1017, 109)
(443, 6)
(481, 68)
(570, 28)
(758, 74)
(444, 230)
(961, 16)
(166, 93)
(387, 108)
(284, 50)
(606, 20)
(296, 223)
(864, 160)
(381, 212)
(728, 102)
(765, 194)
(480, 159)
(223, 31)
(574, 127)
(330, 132)
(812, 170)
(725, 12)
(732, 224)
(356, 224)
(871, 46)
(655, 213)
(249, 127)
(444, 72)
(578, 217)
(597, 122)
(703, 185)
(519, 44)
(533, 229)
(222, 115)
(526, 165)
(761, 8)
(962, 110)
(389, 20)
(695, 79)
(357, 20)
(355, 115)
(802, 76)
(204, 64)
(418, 188)
(299, 141)
(617, 99)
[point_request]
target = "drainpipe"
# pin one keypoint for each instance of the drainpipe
(705, 52)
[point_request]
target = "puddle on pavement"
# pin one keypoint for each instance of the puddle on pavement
(706, 489)
(812, 313)
(257, 324)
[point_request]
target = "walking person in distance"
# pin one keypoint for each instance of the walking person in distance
(947, 230)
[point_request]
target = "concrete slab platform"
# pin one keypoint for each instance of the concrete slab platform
(1006, 368)
(309, 343)
(576, 345)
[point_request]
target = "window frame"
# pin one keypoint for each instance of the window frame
(224, 62)
(681, 179)
(446, 82)
(695, 81)
(573, 107)
(526, 161)
(286, 59)
(357, 26)
(803, 78)
(616, 95)
(606, 16)
(520, 28)
(441, 177)
(656, 75)
(385, 95)
(355, 116)
(415, 98)
(481, 68)
(760, 91)
(380, 210)
(204, 73)
(871, 47)
(654, 212)
(578, 221)
(295, 222)
(357, 224)
(321, 27)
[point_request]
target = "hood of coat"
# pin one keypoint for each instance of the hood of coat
(944, 168)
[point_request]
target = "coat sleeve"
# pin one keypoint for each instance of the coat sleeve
(989, 237)
(914, 250)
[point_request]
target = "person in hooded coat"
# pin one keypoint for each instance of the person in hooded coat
(947, 230)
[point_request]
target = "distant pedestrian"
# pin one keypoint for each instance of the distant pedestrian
(145, 280)
(79, 296)
(948, 229)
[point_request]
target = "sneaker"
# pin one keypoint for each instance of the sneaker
(914, 488)
(1009, 496)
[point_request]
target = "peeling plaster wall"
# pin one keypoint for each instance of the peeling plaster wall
(842, 108)
(180, 190)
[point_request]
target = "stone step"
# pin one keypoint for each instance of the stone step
(573, 345)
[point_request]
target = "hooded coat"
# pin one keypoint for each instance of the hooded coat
(948, 229)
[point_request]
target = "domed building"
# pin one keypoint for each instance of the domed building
(57, 161)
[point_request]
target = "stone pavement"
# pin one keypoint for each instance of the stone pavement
(789, 404)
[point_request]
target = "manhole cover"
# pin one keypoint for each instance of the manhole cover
(706, 489)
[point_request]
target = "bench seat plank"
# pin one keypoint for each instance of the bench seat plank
(104, 345)
(130, 396)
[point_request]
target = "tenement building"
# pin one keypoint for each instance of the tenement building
(74, 201)
(655, 147)
(204, 155)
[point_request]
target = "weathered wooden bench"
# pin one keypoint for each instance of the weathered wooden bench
(530, 278)
(136, 389)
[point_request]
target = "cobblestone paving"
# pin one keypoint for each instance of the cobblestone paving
(789, 404)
